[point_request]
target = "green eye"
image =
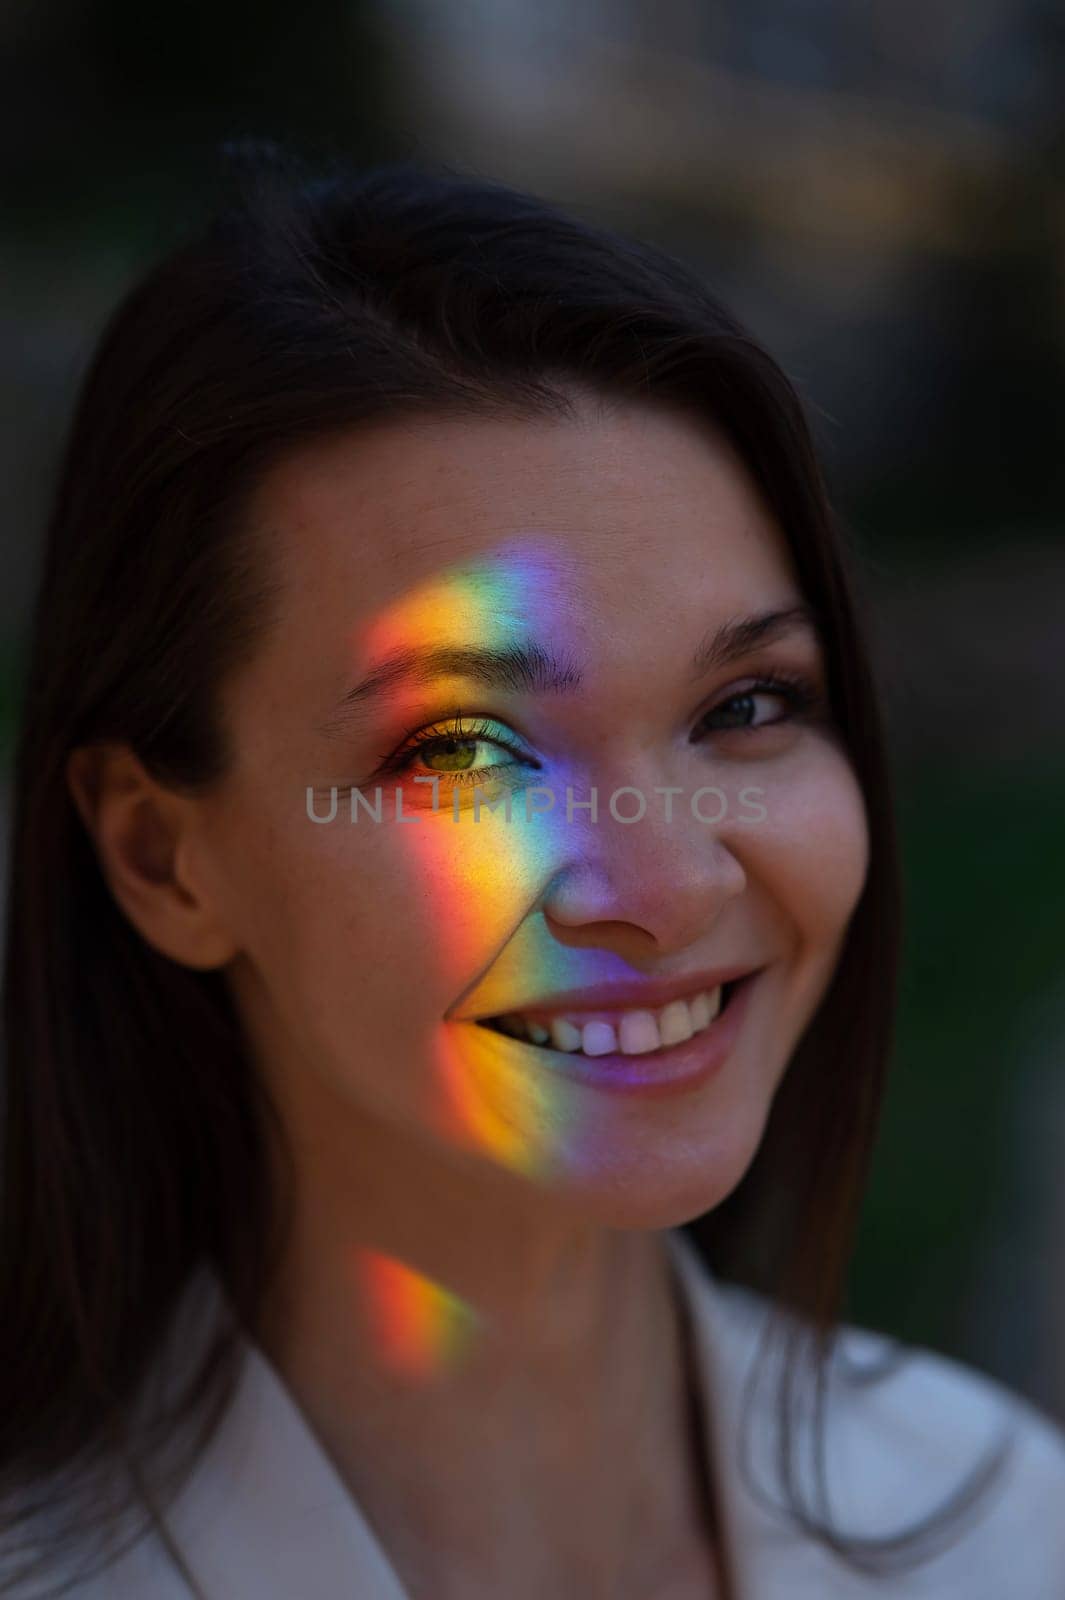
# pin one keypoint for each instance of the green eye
(451, 749)
(449, 755)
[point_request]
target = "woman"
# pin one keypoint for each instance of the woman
(451, 946)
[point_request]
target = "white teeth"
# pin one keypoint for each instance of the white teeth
(564, 1036)
(639, 1033)
(636, 1032)
(705, 1007)
(598, 1039)
(675, 1022)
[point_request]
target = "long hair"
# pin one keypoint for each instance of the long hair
(137, 1137)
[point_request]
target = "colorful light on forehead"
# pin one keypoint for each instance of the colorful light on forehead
(484, 604)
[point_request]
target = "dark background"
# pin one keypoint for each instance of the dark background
(879, 192)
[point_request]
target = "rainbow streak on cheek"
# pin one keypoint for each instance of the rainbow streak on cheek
(479, 880)
(480, 884)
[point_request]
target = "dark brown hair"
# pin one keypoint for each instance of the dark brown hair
(135, 1130)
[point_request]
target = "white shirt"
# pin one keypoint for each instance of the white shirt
(265, 1515)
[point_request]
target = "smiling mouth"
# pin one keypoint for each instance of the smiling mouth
(630, 1031)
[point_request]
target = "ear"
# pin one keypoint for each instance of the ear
(145, 837)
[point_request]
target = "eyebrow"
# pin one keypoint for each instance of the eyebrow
(521, 668)
(740, 635)
(528, 668)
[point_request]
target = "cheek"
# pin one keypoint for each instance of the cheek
(807, 864)
(811, 852)
(365, 933)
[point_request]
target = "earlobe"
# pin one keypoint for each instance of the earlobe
(138, 830)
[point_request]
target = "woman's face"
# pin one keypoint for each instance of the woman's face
(539, 597)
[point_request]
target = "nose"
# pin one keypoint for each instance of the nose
(654, 884)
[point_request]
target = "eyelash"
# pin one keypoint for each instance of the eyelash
(459, 730)
(800, 694)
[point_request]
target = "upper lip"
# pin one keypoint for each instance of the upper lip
(646, 993)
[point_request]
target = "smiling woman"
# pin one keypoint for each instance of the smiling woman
(414, 1198)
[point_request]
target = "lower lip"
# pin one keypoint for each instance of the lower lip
(659, 1072)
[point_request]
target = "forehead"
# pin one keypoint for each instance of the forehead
(604, 520)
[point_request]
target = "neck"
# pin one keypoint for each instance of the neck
(490, 1376)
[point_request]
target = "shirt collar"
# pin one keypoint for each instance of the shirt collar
(265, 1511)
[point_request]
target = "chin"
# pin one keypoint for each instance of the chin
(662, 1188)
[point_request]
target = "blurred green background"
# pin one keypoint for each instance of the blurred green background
(880, 193)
